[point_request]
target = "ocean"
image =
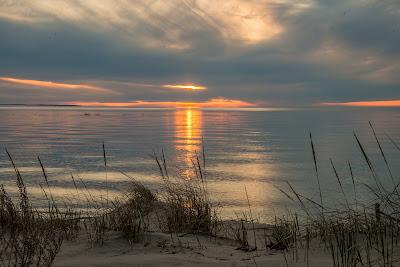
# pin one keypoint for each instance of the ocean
(258, 150)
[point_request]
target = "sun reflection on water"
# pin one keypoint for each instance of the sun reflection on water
(188, 135)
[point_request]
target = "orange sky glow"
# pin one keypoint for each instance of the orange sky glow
(212, 103)
(54, 85)
(382, 103)
(186, 87)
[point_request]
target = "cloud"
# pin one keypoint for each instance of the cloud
(212, 103)
(382, 103)
(169, 24)
(55, 85)
(280, 52)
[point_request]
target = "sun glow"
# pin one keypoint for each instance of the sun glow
(185, 87)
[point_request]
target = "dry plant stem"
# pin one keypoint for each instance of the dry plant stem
(382, 152)
(316, 169)
(105, 170)
(251, 218)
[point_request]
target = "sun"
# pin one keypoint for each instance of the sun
(189, 87)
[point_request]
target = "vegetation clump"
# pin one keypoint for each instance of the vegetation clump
(360, 234)
(185, 200)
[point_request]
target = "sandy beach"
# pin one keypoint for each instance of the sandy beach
(171, 250)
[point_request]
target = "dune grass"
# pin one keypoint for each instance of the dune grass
(28, 236)
(186, 204)
(358, 234)
(32, 236)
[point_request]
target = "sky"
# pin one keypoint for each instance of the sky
(204, 53)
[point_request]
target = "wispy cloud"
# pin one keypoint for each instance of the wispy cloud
(381, 103)
(212, 103)
(167, 23)
(55, 85)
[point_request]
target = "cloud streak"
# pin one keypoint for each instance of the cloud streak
(381, 103)
(55, 85)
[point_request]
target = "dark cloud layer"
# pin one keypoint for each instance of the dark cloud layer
(314, 52)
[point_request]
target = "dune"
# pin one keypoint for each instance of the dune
(161, 249)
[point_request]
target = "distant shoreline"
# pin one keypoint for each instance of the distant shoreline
(178, 108)
(139, 108)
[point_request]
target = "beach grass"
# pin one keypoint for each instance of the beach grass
(359, 234)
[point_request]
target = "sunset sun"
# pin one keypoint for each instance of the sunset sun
(189, 87)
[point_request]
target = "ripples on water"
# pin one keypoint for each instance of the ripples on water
(259, 148)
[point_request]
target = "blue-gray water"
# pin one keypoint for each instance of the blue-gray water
(259, 149)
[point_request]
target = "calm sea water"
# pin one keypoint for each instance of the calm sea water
(259, 149)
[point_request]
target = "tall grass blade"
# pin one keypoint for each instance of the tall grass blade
(105, 169)
(382, 152)
(316, 168)
(339, 182)
(369, 163)
(47, 183)
(393, 142)
(353, 181)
